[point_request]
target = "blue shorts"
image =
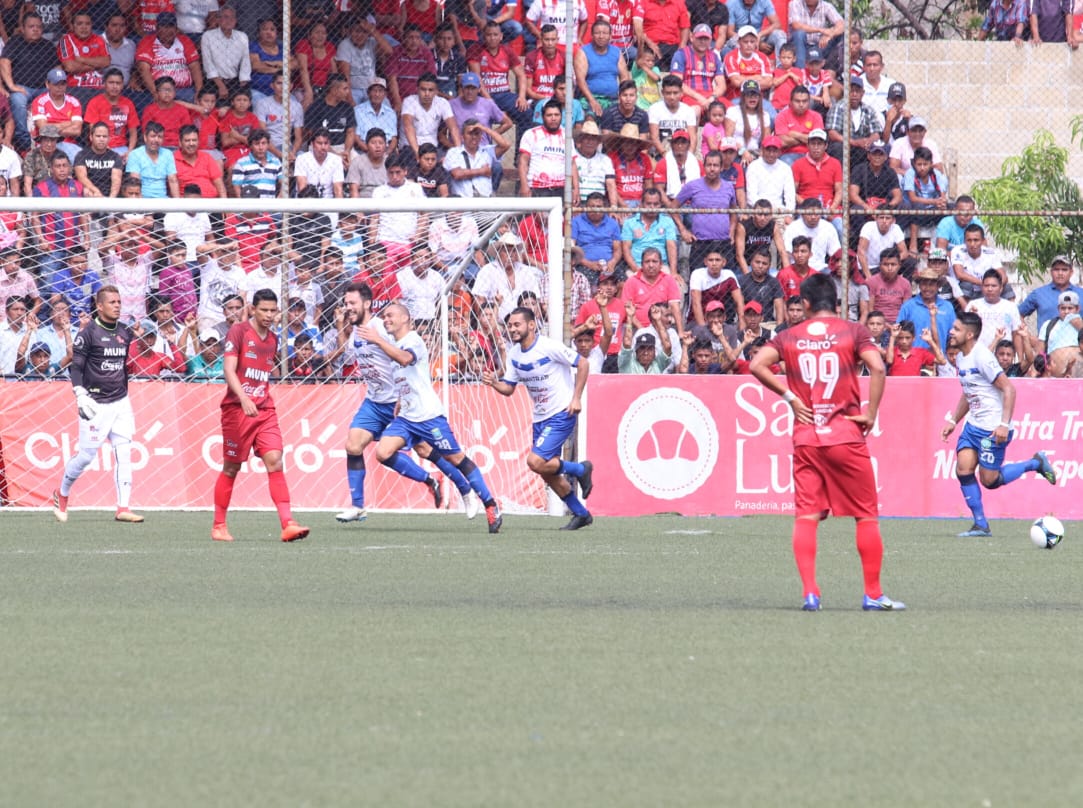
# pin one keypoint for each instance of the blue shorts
(436, 432)
(550, 434)
(373, 417)
(990, 453)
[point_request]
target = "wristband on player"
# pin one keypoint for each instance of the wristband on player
(951, 420)
(80, 391)
(789, 397)
(1006, 426)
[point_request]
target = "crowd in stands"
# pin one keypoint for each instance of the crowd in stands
(700, 105)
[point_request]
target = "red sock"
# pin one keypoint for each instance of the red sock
(280, 495)
(223, 493)
(871, 549)
(804, 553)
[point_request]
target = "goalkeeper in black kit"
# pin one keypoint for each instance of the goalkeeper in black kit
(99, 375)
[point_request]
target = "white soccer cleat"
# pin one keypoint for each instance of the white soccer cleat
(60, 506)
(471, 504)
(351, 514)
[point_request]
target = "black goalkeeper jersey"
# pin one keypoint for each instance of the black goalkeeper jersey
(100, 360)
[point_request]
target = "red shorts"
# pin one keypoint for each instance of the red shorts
(240, 434)
(836, 478)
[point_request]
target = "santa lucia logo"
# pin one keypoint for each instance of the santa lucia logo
(667, 443)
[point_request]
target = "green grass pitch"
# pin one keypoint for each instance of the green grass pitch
(417, 661)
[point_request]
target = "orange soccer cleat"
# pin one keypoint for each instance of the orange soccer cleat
(124, 515)
(293, 531)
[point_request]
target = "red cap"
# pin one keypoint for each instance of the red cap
(755, 306)
(772, 140)
(681, 133)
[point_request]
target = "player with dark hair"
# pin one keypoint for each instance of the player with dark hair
(378, 410)
(421, 414)
(99, 378)
(832, 470)
(988, 401)
(544, 366)
(249, 419)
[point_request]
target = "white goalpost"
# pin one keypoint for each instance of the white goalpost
(148, 247)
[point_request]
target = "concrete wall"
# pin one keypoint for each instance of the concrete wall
(984, 100)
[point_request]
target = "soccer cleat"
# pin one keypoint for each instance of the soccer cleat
(471, 504)
(124, 515)
(976, 531)
(220, 532)
(881, 604)
(293, 531)
(586, 482)
(351, 514)
(1045, 468)
(60, 506)
(495, 517)
(812, 603)
(437, 494)
(578, 522)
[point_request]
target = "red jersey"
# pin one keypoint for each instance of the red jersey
(208, 130)
(250, 232)
(71, 47)
(318, 69)
(256, 360)
(662, 22)
(148, 14)
(823, 363)
(619, 14)
(750, 67)
(385, 287)
(203, 171)
(614, 310)
(911, 364)
(121, 117)
(45, 110)
(817, 180)
(780, 95)
(493, 69)
(173, 119)
(791, 281)
(631, 176)
(786, 122)
(169, 61)
(244, 124)
(540, 71)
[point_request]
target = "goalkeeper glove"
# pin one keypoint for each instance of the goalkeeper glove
(87, 409)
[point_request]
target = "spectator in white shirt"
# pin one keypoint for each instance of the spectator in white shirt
(225, 54)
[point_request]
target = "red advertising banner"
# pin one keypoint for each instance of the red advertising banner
(703, 445)
(177, 450)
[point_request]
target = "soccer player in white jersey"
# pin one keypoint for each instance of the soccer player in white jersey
(421, 414)
(988, 401)
(545, 367)
(378, 410)
(99, 376)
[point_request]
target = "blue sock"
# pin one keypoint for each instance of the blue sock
(571, 468)
(405, 465)
(972, 495)
(1013, 471)
(452, 474)
(574, 505)
(477, 482)
(355, 476)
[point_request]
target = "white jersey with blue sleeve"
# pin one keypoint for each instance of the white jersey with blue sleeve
(978, 371)
(418, 400)
(546, 369)
(375, 367)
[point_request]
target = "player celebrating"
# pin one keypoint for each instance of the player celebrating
(988, 401)
(832, 470)
(545, 367)
(421, 415)
(99, 377)
(249, 420)
(378, 410)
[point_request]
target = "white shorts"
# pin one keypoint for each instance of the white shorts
(114, 422)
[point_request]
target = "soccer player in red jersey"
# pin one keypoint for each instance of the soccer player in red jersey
(832, 470)
(249, 420)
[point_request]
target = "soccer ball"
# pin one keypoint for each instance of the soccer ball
(1046, 532)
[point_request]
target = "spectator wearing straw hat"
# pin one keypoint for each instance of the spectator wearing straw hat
(593, 170)
(632, 167)
(921, 309)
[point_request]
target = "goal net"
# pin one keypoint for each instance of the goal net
(185, 269)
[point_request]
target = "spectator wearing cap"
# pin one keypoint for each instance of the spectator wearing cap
(746, 63)
(593, 170)
(258, 168)
(83, 55)
(376, 113)
(205, 364)
(818, 175)
(503, 279)
(902, 150)
(1005, 21)
(470, 103)
(1060, 336)
(63, 111)
(625, 111)
(820, 82)
(169, 53)
(38, 362)
(670, 115)
(676, 168)
(710, 232)
(26, 59)
(948, 288)
(770, 178)
(144, 361)
(813, 24)
(1046, 299)
(868, 129)
(700, 69)
(872, 184)
(795, 124)
(896, 116)
(749, 121)
(599, 69)
(927, 304)
(596, 248)
(661, 26)
(639, 352)
(475, 169)
(754, 328)
(226, 62)
(37, 163)
(753, 14)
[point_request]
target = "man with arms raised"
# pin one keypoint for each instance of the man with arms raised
(544, 366)
(832, 470)
(99, 377)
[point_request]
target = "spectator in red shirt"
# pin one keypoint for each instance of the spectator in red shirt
(543, 65)
(144, 361)
(662, 26)
(236, 125)
(817, 175)
(165, 110)
(408, 63)
(794, 124)
(115, 111)
(168, 53)
(903, 359)
(56, 107)
(83, 55)
(197, 167)
(495, 63)
(590, 318)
